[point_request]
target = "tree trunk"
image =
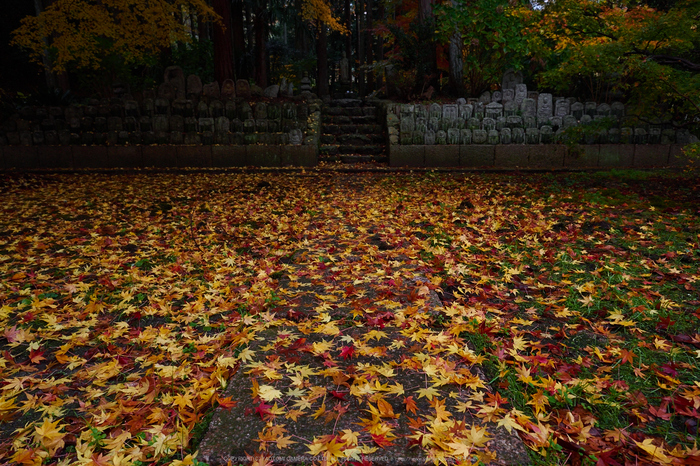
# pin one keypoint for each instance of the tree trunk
(45, 60)
(249, 64)
(260, 26)
(322, 60)
(425, 12)
(348, 37)
(369, 49)
(456, 65)
(379, 50)
(426, 59)
(360, 47)
(301, 36)
(223, 49)
(239, 70)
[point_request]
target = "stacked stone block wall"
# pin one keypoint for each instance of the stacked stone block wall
(516, 128)
(178, 114)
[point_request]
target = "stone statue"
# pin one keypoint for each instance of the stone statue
(344, 70)
(305, 83)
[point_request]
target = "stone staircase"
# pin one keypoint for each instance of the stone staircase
(352, 132)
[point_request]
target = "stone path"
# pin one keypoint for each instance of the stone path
(355, 364)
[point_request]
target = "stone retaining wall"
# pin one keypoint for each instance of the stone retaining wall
(519, 116)
(164, 122)
(163, 156)
(182, 122)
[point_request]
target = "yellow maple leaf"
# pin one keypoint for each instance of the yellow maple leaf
(321, 347)
(183, 401)
(478, 436)
(294, 414)
(655, 451)
(350, 437)
(441, 412)
(268, 392)
(461, 449)
(509, 423)
(319, 412)
(661, 344)
(284, 442)
(49, 435)
(519, 344)
(316, 447)
(276, 410)
(429, 393)
(334, 448)
(6, 404)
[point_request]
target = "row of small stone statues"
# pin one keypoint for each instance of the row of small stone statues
(124, 137)
(528, 114)
(532, 120)
(187, 108)
(541, 104)
(93, 124)
(216, 117)
(544, 135)
(176, 86)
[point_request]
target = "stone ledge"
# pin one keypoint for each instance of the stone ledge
(501, 156)
(160, 156)
(651, 155)
(539, 156)
(511, 156)
(407, 156)
(477, 155)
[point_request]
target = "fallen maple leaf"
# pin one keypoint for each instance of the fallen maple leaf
(36, 356)
(263, 410)
(657, 453)
(381, 440)
(347, 352)
(410, 405)
(49, 435)
(269, 393)
(509, 423)
(429, 393)
(226, 403)
(338, 395)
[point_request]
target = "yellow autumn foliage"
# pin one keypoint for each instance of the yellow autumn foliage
(83, 32)
(320, 10)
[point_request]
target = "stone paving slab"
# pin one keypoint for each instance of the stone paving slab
(338, 394)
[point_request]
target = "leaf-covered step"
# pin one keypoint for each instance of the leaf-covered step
(357, 158)
(328, 149)
(360, 139)
(351, 129)
(369, 149)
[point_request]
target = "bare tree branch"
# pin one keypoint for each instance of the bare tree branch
(668, 60)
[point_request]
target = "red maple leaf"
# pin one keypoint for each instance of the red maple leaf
(338, 395)
(381, 441)
(347, 351)
(263, 410)
(36, 356)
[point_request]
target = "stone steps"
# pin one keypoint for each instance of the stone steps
(351, 129)
(351, 132)
(349, 120)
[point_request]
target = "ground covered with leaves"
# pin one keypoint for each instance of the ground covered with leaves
(127, 301)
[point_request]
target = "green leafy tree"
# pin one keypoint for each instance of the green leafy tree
(606, 50)
(491, 38)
